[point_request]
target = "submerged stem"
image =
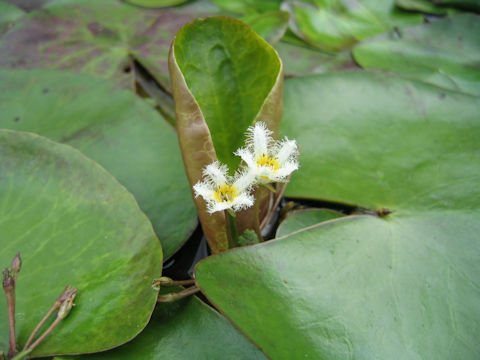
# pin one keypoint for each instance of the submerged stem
(229, 230)
(256, 215)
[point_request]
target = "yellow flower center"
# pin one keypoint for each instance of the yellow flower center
(225, 193)
(269, 162)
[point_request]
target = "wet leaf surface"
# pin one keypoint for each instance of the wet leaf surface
(73, 224)
(301, 219)
(445, 52)
(364, 286)
(123, 134)
(184, 330)
(339, 24)
(99, 38)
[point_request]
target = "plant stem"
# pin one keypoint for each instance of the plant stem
(165, 281)
(229, 229)
(275, 205)
(12, 349)
(45, 334)
(21, 355)
(256, 215)
(171, 297)
(8, 283)
(54, 307)
(67, 294)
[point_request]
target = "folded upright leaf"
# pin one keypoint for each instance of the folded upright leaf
(224, 78)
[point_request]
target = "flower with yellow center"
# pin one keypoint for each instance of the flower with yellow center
(224, 192)
(267, 159)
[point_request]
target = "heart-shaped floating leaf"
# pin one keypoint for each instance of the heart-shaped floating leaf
(460, 4)
(443, 52)
(362, 286)
(270, 25)
(113, 127)
(338, 24)
(302, 219)
(224, 77)
(248, 6)
(73, 224)
(100, 38)
(187, 329)
(300, 59)
(156, 3)
(422, 6)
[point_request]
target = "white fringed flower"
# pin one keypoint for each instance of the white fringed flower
(267, 159)
(223, 192)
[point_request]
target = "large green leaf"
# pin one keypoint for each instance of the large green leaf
(301, 219)
(363, 287)
(445, 52)
(421, 5)
(224, 77)
(358, 288)
(113, 127)
(248, 6)
(73, 224)
(365, 134)
(188, 329)
(338, 24)
(156, 3)
(270, 25)
(100, 38)
(303, 60)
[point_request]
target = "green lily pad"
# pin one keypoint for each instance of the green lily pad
(224, 78)
(248, 6)
(445, 53)
(156, 3)
(460, 4)
(73, 224)
(9, 14)
(363, 287)
(100, 38)
(421, 5)
(113, 127)
(302, 60)
(336, 25)
(270, 25)
(187, 329)
(375, 130)
(301, 219)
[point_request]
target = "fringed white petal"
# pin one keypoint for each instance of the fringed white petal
(286, 169)
(242, 201)
(218, 206)
(246, 156)
(204, 190)
(261, 139)
(286, 150)
(244, 180)
(216, 174)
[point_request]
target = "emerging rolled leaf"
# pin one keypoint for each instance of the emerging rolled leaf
(224, 78)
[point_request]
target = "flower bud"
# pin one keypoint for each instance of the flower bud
(162, 281)
(67, 304)
(16, 265)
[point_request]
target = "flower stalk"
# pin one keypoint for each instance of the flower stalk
(9, 283)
